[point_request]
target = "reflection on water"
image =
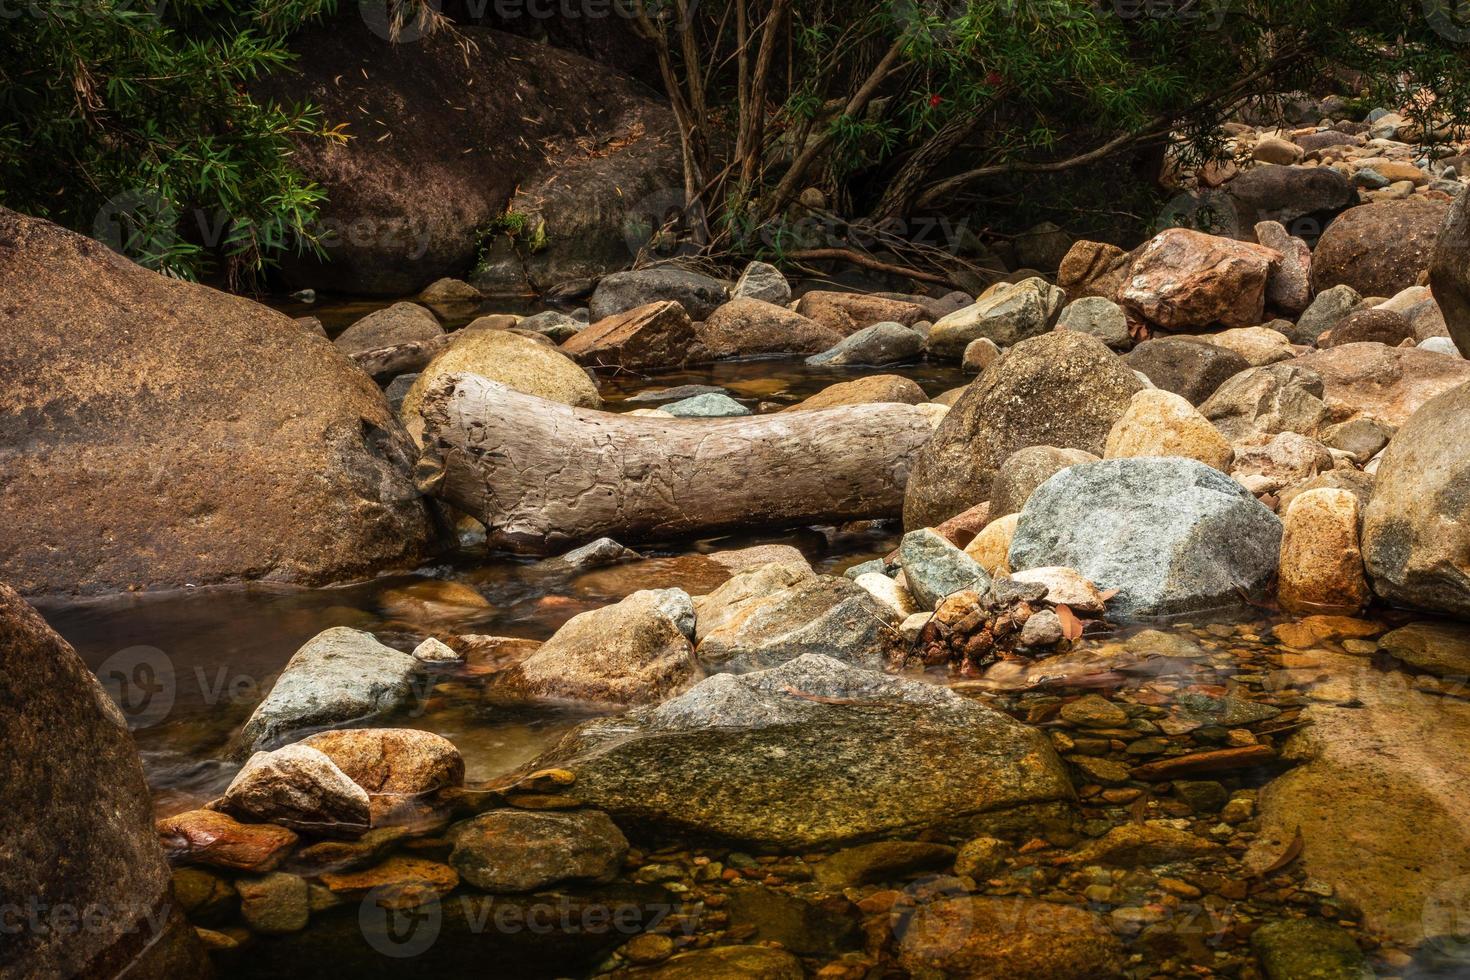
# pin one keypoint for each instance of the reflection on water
(189, 666)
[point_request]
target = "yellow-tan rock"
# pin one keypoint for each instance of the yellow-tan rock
(1321, 559)
(1161, 423)
(992, 545)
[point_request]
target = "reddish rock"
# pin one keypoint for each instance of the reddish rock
(219, 840)
(847, 313)
(745, 327)
(649, 337)
(1183, 279)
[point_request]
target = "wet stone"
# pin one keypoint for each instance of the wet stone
(881, 861)
(805, 928)
(274, 904)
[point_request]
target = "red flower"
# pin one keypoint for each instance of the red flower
(934, 101)
(994, 79)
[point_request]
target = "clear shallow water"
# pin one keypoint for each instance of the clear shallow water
(189, 666)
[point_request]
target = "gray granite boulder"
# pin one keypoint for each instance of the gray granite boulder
(769, 615)
(882, 343)
(698, 294)
(935, 568)
(1172, 535)
(341, 676)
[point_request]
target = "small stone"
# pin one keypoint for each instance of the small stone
(980, 353)
(398, 883)
(274, 904)
(1134, 845)
(1161, 423)
(1094, 711)
(217, 839)
(881, 861)
(1203, 796)
(433, 651)
(302, 788)
(1042, 629)
(1104, 771)
(981, 858)
(648, 947)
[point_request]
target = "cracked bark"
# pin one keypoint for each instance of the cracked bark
(544, 477)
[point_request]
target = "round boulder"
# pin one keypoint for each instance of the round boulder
(515, 361)
(155, 432)
(1370, 326)
(1379, 248)
(1416, 530)
(1062, 389)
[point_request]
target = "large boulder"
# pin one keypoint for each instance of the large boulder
(1379, 248)
(1302, 199)
(155, 432)
(1416, 529)
(1189, 368)
(746, 327)
(86, 885)
(1061, 389)
(619, 292)
(1377, 755)
(1006, 316)
(1093, 269)
(1388, 384)
(1171, 535)
(1185, 279)
(781, 759)
(635, 651)
(509, 135)
(515, 361)
(339, 676)
(1449, 272)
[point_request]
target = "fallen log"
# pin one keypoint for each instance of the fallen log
(382, 363)
(543, 477)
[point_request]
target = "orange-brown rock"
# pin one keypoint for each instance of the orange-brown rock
(1321, 559)
(219, 840)
(155, 432)
(1185, 279)
(649, 337)
(847, 313)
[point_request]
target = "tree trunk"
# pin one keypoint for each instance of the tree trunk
(382, 363)
(544, 477)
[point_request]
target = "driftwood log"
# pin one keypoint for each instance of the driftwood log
(383, 363)
(543, 477)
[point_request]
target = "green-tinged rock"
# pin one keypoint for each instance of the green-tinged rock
(810, 754)
(806, 928)
(881, 861)
(1308, 949)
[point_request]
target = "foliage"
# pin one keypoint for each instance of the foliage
(917, 107)
(134, 123)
